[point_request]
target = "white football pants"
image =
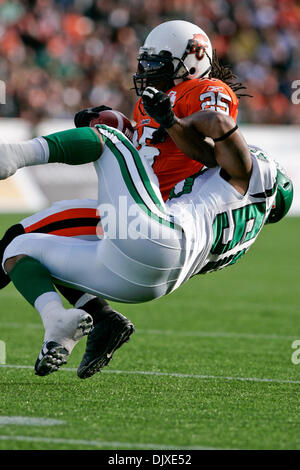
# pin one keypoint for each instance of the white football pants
(142, 253)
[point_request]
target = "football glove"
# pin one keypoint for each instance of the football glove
(159, 135)
(158, 105)
(85, 116)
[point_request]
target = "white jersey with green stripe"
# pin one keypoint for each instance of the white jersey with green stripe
(220, 224)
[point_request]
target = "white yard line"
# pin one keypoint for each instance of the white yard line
(27, 421)
(216, 334)
(117, 445)
(173, 374)
(200, 334)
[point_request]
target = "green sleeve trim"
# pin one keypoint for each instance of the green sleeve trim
(74, 146)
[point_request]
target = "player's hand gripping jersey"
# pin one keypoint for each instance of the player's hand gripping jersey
(168, 162)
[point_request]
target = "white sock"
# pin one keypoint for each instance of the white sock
(48, 305)
(20, 154)
(60, 323)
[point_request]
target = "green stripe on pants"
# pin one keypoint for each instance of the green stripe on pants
(165, 219)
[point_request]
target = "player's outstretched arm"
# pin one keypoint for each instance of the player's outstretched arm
(73, 147)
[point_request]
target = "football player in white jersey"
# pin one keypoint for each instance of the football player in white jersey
(208, 224)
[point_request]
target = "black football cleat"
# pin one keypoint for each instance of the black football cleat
(52, 356)
(107, 335)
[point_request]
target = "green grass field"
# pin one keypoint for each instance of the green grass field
(208, 367)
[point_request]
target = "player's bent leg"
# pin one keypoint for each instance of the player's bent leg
(109, 333)
(101, 268)
(63, 327)
(75, 218)
(135, 268)
(53, 354)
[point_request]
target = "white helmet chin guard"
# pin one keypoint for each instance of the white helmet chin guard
(173, 50)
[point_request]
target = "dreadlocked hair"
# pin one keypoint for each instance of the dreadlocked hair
(225, 74)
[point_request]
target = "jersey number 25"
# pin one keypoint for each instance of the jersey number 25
(217, 101)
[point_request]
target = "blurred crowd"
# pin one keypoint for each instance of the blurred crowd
(57, 56)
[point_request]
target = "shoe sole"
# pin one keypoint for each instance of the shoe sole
(52, 360)
(84, 326)
(97, 364)
(58, 355)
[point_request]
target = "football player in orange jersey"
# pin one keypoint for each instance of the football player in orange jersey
(176, 58)
(183, 70)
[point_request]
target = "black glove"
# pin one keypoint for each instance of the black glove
(85, 116)
(159, 135)
(158, 105)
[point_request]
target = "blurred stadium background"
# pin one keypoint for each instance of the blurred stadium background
(58, 56)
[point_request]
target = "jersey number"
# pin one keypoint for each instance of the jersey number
(216, 100)
(237, 227)
(232, 229)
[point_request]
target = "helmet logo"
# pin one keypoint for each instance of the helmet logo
(198, 45)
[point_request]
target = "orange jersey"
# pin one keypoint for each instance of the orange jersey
(168, 162)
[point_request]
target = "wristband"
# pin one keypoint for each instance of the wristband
(223, 137)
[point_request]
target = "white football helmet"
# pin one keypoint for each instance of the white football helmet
(284, 187)
(173, 50)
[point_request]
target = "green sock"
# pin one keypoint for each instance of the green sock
(31, 279)
(74, 146)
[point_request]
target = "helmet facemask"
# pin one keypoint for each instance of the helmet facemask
(164, 68)
(154, 70)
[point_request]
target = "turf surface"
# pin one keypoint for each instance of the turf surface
(208, 367)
